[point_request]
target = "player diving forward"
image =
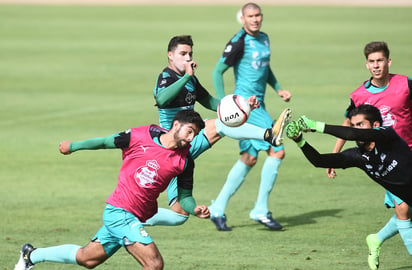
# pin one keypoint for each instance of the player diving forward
(381, 153)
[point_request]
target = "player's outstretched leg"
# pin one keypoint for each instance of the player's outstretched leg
(24, 262)
(275, 135)
(374, 246)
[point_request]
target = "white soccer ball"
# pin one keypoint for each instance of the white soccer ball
(239, 17)
(233, 110)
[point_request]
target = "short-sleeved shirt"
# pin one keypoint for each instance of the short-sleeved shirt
(250, 58)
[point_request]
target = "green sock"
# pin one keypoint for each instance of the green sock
(166, 217)
(59, 254)
(405, 230)
(234, 180)
(268, 178)
(243, 132)
(389, 230)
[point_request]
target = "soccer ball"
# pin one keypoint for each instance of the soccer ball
(239, 17)
(233, 110)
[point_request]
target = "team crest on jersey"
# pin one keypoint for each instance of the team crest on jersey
(388, 118)
(146, 175)
(190, 98)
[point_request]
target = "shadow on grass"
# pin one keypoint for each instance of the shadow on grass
(298, 220)
(309, 218)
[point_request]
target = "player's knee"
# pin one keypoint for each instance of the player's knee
(249, 160)
(89, 264)
(177, 208)
(155, 263)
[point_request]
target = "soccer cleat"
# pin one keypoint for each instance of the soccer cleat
(24, 262)
(220, 223)
(276, 133)
(374, 246)
(268, 221)
(293, 130)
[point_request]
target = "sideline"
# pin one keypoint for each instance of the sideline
(366, 3)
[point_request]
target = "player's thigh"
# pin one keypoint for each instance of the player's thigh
(276, 152)
(147, 255)
(402, 211)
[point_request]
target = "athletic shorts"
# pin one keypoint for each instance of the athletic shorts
(390, 198)
(199, 145)
(258, 117)
(120, 228)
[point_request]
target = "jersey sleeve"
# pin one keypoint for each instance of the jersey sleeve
(201, 92)
(342, 160)
(350, 107)
(382, 134)
(233, 51)
(185, 187)
(118, 140)
(168, 87)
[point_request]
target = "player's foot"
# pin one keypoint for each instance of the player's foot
(293, 131)
(220, 223)
(374, 245)
(24, 262)
(275, 134)
(268, 221)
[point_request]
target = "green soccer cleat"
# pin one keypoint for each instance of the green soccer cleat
(374, 245)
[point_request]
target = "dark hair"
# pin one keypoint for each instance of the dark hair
(376, 46)
(250, 5)
(189, 117)
(372, 114)
(183, 39)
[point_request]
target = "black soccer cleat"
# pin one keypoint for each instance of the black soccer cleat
(220, 223)
(269, 221)
(24, 262)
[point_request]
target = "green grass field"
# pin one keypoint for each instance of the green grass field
(72, 73)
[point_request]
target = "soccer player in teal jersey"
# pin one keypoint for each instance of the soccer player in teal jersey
(248, 52)
(391, 94)
(178, 88)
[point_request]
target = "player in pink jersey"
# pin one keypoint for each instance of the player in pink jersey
(391, 94)
(152, 156)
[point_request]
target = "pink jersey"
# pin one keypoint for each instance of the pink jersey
(394, 104)
(146, 171)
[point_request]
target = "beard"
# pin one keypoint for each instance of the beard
(180, 143)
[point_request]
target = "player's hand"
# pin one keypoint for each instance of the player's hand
(202, 211)
(330, 172)
(64, 147)
(253, 102)
(307, 124)
(190, 67)
(285, 95)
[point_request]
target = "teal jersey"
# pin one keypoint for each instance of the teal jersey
(250, 58)
(184, 99)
